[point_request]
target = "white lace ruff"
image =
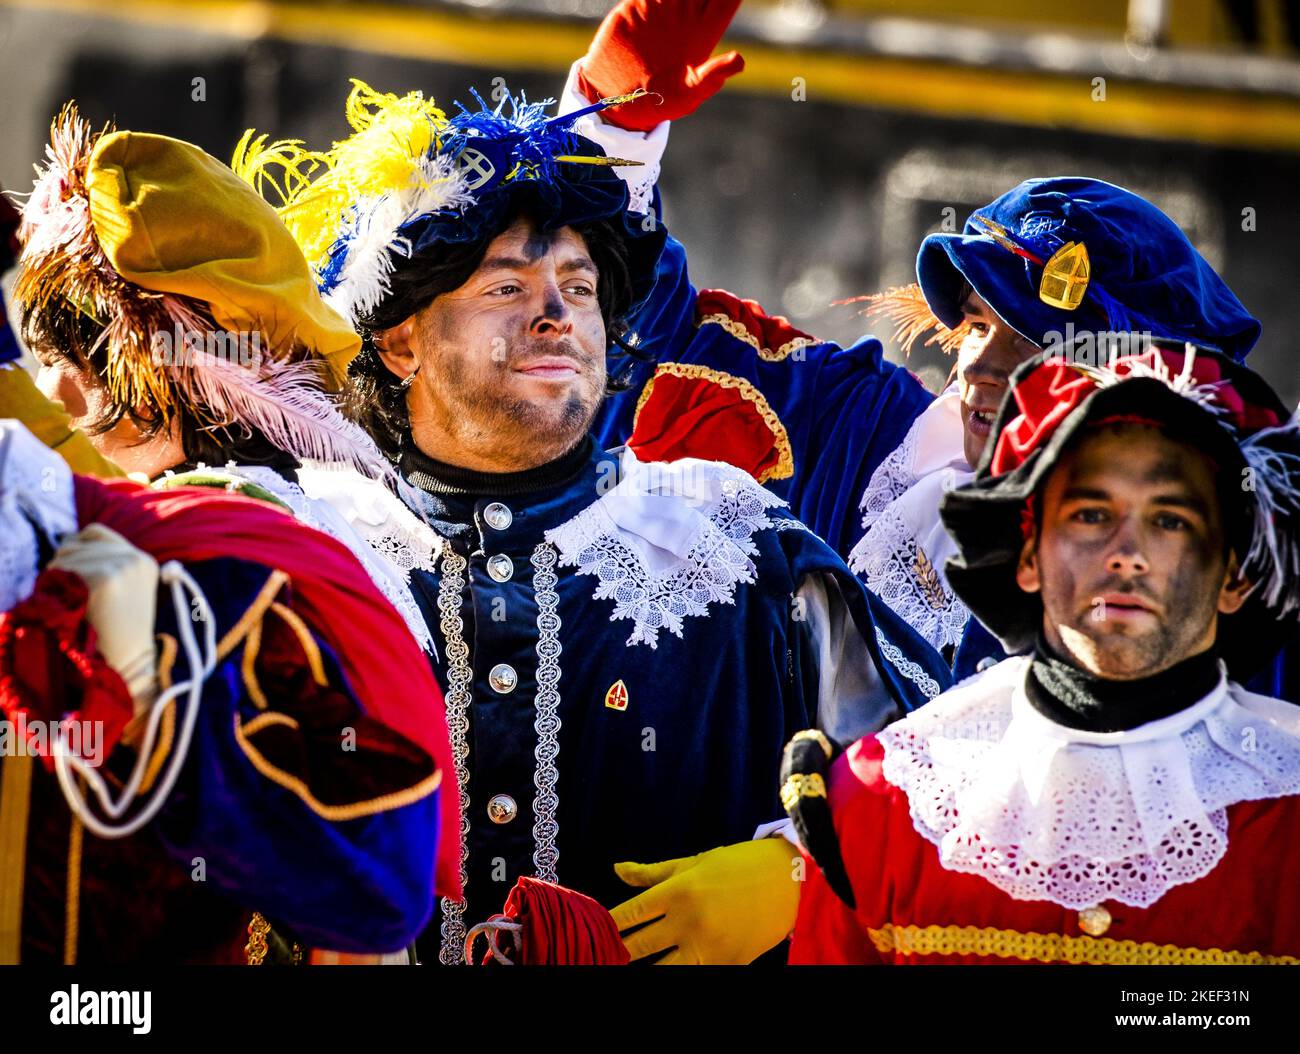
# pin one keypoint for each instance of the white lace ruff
(382, 555)
(890, 558)
(387, 524)
(1046, 813)
(35, 488)
(690, 550)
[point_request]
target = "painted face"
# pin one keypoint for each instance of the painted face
(1130, 558)
(511, 365)
(987, 357)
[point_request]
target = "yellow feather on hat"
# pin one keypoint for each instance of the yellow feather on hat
(387, 153)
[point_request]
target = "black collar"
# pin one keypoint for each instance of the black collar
(1077, 699)
(438, 477)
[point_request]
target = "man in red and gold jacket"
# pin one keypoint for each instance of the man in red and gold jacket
(1110, 793)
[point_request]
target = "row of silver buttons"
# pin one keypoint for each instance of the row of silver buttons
(501, 808)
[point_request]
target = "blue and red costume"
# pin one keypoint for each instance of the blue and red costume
(318, 779)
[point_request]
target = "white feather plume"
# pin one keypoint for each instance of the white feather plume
(1274, 555)
(371, 236)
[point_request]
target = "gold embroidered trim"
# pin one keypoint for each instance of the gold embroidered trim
(252, 645)
(166, 734)
(333, 813)
(740, 332)
(801, 785)
(166, 660)
(167, 727)
(928, 579)
(255, 611)
(818, 737)
(1056, 948)
(166, 649)
(306, 639)
(15, 813)
(784, 467)
(72, 916)
(255, 950)
(271, 717)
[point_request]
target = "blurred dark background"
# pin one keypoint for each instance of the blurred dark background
(857, 127)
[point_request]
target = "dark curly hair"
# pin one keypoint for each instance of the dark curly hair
(57, 330)
(375, 399)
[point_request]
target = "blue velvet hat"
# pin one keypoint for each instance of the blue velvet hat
(1136, 270)
(410, 178)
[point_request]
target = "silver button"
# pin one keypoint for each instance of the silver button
(986, 663)
(500, 567)
(498, 516)
(503, 678)
(502, 808)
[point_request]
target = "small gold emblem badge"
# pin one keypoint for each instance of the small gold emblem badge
(616, 697)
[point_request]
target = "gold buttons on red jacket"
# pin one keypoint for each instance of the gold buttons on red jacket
(1094, 921)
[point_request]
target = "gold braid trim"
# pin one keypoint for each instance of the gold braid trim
(266, 595)
(167, 730)
(784, 467)
(1056, 948)
(332, 813)
(740, 332)
(305, 639)
(801, 785)
(255, 949)
(248, 666)
(72, 917)
(818, 737)
(15, 815)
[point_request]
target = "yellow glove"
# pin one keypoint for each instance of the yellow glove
(123, 586)
(724, 907)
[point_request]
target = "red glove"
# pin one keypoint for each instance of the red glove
(662, 46)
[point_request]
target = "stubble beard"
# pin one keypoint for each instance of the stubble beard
(1121, 653)
(521, 429)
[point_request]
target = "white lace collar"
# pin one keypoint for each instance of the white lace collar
(366, 517)
(1077, 818)
(668, 540)
(901, 557)
(36, 492)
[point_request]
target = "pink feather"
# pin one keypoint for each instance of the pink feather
(283, 400)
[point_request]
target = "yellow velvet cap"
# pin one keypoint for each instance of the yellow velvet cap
(173, 219)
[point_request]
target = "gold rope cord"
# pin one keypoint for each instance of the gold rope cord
(15, 806)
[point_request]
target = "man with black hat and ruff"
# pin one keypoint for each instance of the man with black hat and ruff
(1135, 534)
